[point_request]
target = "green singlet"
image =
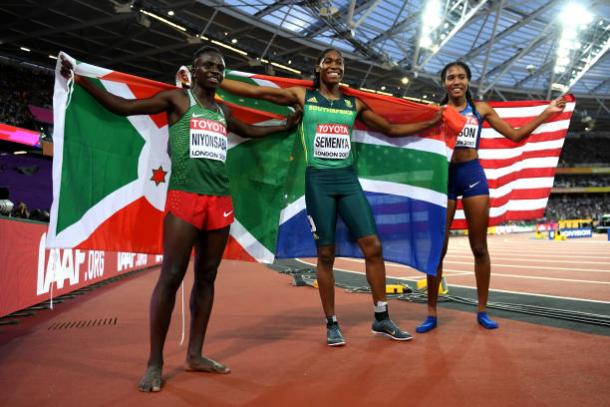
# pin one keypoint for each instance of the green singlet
(198, 149)
(331, 182)
(326, 130)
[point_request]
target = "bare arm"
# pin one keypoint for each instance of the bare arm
(518, 134)
(245, 130)
(281, 96)
(165, 101)
(379, 123)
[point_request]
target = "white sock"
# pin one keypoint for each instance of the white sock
(381, 306)
(333, 317)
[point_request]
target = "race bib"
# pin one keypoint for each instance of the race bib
(332, 141)
(468, 137)
(208, 139)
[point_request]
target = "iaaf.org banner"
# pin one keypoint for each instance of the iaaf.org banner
(28, 270)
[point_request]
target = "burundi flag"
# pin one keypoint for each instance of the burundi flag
(111, 174)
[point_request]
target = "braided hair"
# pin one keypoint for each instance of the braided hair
(316, 74)
(466, 68)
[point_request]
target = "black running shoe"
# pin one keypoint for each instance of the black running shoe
(388, 328)
(333, 335)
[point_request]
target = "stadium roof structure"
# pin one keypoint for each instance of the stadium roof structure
(518, 49)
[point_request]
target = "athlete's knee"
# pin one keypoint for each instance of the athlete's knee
(371, 248)
(479, 250)
(326, 256)
(171, 278)
(205, 273)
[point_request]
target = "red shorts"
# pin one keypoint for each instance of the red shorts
(205, 212)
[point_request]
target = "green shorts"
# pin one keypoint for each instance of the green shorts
(332, 191)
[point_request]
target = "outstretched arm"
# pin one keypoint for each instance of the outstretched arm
(281, 96)
(379, 123)
(520, 133)
(161, 102)
(245, 130)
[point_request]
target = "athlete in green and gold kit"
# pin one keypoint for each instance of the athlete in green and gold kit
(331, 182)
(199, 208)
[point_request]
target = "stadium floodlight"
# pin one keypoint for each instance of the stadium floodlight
(163, 20)
(575, 18)
(431, 19)
(286, 68)
(239, 51)
(575, 14)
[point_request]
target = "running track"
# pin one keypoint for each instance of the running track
(573, 269)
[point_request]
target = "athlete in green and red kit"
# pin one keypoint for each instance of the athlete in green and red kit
(199, 209)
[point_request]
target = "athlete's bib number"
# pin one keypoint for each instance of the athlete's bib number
(468, 137)
(208, 139)
(332, 141)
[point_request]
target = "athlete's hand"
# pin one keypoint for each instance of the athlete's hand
(438, 116)
(295, 118)
(557, 105)
(67, 70)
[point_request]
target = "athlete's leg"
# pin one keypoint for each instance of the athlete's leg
(355, 210)
(374, 266)
(476, 210)
(178, 239)
(433, 282)
(326, 278)
(209, 248)
(322, 212)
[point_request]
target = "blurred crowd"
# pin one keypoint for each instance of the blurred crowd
(571, 181)
(586, 149)
(581, 206)
(21, 86)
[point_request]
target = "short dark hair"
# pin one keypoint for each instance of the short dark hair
(206, 49)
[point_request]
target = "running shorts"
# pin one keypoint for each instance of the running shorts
(466, 179)
(329, 192)
(205, 212)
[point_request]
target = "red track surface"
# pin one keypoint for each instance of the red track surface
(272, 336)
(576, 268)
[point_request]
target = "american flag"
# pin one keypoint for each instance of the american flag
(520, 175)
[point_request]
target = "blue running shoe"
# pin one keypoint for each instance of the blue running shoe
(388, 328)
(333, 335)
(428, 325)
(485, 321)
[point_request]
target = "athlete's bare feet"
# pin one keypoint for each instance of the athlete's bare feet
(151, 381)
(203, 364)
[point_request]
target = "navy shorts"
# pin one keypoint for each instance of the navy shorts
(466, 179)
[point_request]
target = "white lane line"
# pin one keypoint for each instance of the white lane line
(571, 280)
(495, 265)
(495, 257)
(533, 294)
(414, 279)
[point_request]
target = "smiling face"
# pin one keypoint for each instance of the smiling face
(456, 81)
(208, 70)
(331, 68)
